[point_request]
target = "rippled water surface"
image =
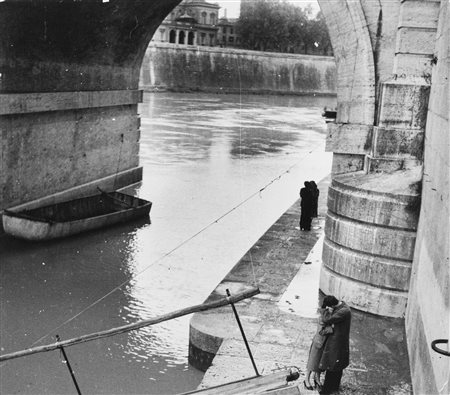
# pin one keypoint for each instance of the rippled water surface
(219, 171)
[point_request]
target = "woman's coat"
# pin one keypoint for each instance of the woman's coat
(336, 351)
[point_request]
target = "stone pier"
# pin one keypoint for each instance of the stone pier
(377, 141)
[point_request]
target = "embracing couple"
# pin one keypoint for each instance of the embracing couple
(329, 350)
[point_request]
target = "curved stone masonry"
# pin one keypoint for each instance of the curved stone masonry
(362, 296)
(203, 345)
(370, 234)
(374, 270)
(377, 198)
(371, 239)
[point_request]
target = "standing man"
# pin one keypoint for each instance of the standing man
(315, 196)
(336, 352)
(306, 206)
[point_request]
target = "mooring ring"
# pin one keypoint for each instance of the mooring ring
(439, 350)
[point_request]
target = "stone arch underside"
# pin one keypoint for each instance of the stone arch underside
(68, 69)
(353, 53)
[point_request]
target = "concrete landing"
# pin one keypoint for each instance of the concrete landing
(280, 322)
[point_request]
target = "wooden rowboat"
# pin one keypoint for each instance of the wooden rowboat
(74, 216)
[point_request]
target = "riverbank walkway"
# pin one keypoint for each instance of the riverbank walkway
(280, 322)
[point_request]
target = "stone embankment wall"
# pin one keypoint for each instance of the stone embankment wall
(182, 68)
(428, 313)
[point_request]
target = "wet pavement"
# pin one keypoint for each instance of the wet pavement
(280, 322)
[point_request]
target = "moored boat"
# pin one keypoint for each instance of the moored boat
(74, 216)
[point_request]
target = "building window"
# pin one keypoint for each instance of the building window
(203, 36)
(224, 30)
(231, 39)
(231, 30)
(211, 39)
(162, 31)
(181, 37)
(191, 38)
(172, 36)
(212, 19)
(204, 18)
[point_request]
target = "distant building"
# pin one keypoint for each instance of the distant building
(192, 22)
(227, 35)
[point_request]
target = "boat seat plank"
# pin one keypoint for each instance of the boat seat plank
(252, 385)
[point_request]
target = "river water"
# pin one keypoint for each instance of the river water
(220, 170)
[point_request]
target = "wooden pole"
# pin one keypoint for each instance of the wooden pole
(130, 327)
(243, 335)
(66, 360)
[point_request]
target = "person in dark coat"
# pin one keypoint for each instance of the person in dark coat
(306, 206)
(315, 197)
(336, 352)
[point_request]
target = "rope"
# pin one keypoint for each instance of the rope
(240, 154)
(253, 269)
(118, 162)
(131, 327)
(258, 192)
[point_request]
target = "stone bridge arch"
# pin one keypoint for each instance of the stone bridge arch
(69, 73)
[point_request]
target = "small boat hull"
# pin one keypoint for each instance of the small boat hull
(74, 216)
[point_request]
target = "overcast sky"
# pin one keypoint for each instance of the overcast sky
(232, 6)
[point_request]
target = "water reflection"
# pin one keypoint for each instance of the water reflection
(254, 125)
(44, 288)
(203, 155)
